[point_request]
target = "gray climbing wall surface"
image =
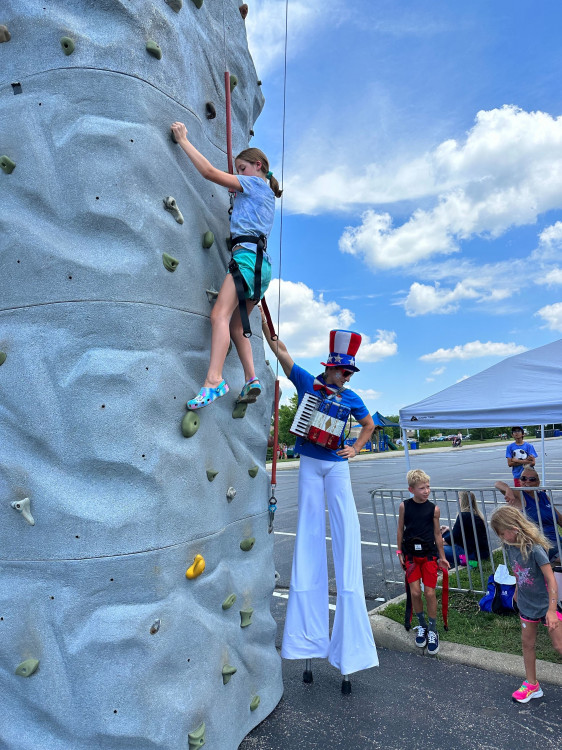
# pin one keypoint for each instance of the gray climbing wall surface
(105, 506)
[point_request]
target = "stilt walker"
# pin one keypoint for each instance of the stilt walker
(324, 407)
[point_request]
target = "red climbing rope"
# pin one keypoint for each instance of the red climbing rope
(267, 314)
(273, 500)
(228, 121)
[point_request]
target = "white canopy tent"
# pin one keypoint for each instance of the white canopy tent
(520, 390)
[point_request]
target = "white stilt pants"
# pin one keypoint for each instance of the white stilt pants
(306, 634)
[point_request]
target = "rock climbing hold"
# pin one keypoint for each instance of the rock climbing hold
(155, 627)
(246, 617)
(67, 45)
(196, 568)
(247, 544)
(170, 264)
(227, 672)
(211, 474)
(23, 507)
(259, 82)
(171, 206)
(253, 472)
(239, 411)
(153, 49)
(16, 88)
(243, 10)
(255, 703)
(212, 294)
(197, 3)
(210, 111)
(5, 35)
(229, 601)
(197, 737)
(3, 356)
(176, 5)
(208, 239)
(7, 164)
(252, 134)
(27, 667)
(189, 424)
(233, 83)
(230, 494)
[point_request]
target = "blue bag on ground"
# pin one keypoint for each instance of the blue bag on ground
(501, 590)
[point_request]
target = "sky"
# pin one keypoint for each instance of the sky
(422, 175)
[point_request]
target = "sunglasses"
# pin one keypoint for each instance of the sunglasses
(346, 373)
(529, 479)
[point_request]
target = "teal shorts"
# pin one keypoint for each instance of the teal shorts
(246, 260)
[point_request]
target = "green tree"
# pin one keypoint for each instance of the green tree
(286, 415)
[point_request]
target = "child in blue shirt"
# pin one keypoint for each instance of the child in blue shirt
(519, 454)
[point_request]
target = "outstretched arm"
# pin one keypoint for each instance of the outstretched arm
(513, 497)
(277, 347)
(202, 164)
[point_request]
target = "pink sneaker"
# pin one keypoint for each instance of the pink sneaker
(526, 692)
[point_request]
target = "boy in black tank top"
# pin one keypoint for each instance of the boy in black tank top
(421, 554)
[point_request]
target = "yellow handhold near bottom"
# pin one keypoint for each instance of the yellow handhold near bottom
(197, 568)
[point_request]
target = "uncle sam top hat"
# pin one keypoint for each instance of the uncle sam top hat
(343, 348)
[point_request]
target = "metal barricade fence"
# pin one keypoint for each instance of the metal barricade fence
(386, 503)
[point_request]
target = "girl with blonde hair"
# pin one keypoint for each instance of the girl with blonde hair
(475, 535)
(537, 593)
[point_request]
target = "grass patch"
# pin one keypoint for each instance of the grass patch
(471, 627)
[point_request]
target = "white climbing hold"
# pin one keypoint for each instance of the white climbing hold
(171, 206)
(230, 493)
(23, 507)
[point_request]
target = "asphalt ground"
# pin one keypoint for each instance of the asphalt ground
(409, 699)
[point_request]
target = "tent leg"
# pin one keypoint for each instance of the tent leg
(542, 456)
(406, 449)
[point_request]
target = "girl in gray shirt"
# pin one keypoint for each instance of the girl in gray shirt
(537, 593)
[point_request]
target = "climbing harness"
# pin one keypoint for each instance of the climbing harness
(239, 283)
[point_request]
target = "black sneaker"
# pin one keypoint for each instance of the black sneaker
(432, 642)
(421, 637)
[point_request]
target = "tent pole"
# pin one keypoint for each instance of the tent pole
(542, 455)
(406, 448)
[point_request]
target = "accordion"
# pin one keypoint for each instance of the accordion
(320, 421)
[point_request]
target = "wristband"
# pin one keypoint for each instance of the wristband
(399, 552)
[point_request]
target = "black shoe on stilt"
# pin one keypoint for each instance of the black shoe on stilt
(346, 685)
(307, 674)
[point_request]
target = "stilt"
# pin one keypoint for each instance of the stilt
(346, 685)
(307, 674)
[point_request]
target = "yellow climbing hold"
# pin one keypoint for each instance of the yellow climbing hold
(208, 239)
(27, 667)
(196, 568)
(227, 672)
(247, 544)
(255, 703)
(197, 737)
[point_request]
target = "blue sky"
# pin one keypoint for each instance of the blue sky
(423, 183)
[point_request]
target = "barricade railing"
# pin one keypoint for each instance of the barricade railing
(386, 504)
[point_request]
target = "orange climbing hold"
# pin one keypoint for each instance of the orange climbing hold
(243, 10)
(196, 568)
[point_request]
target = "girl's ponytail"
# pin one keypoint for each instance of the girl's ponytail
(274, 185)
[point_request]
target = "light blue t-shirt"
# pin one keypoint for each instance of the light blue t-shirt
(510, 450)
(303, 382)
(254, 210)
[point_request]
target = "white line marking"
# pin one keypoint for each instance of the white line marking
(329, 539)
(286, 596)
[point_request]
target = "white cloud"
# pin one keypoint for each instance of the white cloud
(265, 27)
(367, 394)
(550, 243)
(551, 278)
(423, 299)
(307, 319)
(287, 389)
(552, 315)
(438, 370)
(464, 377)
(474, 349)
(429, 380)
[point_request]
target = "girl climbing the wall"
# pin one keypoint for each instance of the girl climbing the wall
(251, 222)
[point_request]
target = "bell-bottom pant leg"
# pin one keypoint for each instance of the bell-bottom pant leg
(306, 633)
(352, 646)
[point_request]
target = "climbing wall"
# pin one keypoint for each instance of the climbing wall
(136, 564)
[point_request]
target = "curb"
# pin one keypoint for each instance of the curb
(390, 634)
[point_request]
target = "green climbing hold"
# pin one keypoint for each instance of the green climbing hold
(253, 472)
(27, 667)
(229, 601)
(3, 356)
(227, 672)
(5, 35)
(208, 239)
(197, 3)
(170, 263)
(189, 424)
(7, 164)
(153, 49)
(255, 703)
(211, 474)
(246, 617)
(233, 83)
(176, 5)
(67, 45)
(197, 737)
(239, 411)
(247, 544)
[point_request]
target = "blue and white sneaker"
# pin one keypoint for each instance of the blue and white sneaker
(250, 392)
(207, 395)
(432, 642)
(421, 637)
